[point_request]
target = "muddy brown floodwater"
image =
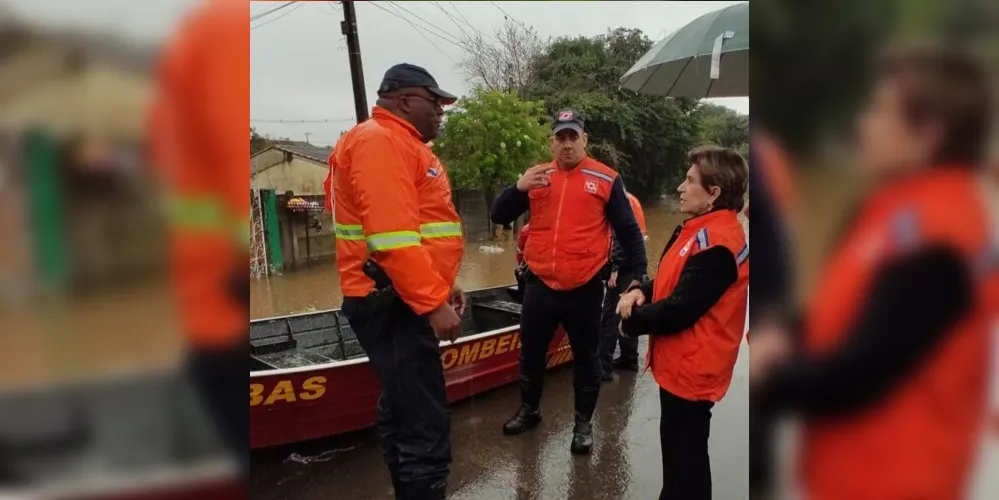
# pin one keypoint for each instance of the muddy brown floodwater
(626, 460)
(482, 266)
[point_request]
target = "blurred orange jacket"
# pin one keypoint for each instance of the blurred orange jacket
(636, 206)
(393, 202)
(198, 137)
(697, 364)
(921, 440)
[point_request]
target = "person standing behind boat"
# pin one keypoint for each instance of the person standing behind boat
(574, 202)
(519, 273)
(695, 313)
(398, 248)
(610, 337)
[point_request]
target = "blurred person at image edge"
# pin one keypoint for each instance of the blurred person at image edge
(894, 366)
(198, 143)
(694, 311)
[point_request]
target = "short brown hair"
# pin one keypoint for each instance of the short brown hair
(948, 88)
(725, 168)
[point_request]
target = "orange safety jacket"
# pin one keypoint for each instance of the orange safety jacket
(393, 203)
(697, 364)
(636, 206)
(202, 155)
(570, 234)
(922, 439)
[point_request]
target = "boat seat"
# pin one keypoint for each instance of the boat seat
(294, 359)
(500, 306)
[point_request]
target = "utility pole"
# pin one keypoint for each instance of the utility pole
(349, 28)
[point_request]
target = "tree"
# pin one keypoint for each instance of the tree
(489, 138)
(724, 127)
(502, 61)
(257, 141)
(646, 138)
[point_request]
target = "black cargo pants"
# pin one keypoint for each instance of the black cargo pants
(578, 311)
(610, 336)
(413, 419)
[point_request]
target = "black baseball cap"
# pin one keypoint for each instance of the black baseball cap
(567, 119)
(406, 75)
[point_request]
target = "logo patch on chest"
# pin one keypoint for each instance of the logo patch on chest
(590, 187)
(686, 248)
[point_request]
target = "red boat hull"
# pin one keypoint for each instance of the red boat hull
(300, 404)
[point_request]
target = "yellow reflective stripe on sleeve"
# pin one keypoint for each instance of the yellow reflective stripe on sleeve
(440, 229)
(243, 234)
(202, 213)
(349, 232)
(207, 214)
(393, 240)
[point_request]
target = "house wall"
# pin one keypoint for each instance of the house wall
(303, 177)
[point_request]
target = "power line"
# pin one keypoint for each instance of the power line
(271, 11)
(456, 9)
(452, 18)
(425, 37)
(328, 120)
(454, 38)
(375, 4)
(276, 18)
(475, 30)
(535, 35)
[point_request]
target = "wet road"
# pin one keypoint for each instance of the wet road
(626, 460)
(625, 463)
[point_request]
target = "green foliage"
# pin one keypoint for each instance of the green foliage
(724, 127)
(646, 138)
(489, 138)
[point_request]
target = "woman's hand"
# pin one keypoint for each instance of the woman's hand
(629, 301)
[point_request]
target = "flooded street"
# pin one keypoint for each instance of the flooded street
(319, 288)
(626, 460)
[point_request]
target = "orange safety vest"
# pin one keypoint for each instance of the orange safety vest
(570, 235)
(202, 154)
(393, 202)
(697, 364)
(920, 442)
(636, 206)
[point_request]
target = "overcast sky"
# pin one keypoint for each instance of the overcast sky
(299, 68)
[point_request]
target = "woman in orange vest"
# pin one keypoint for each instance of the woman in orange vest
(892, 377)
(694, 311)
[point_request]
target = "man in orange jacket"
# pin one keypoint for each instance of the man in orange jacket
(398, 248)
(609, 336)
(198, 139)
(575, 202)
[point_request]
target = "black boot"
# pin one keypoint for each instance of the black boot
(582, 438)
(396, 484)
(526, 418)
(626, 364)
(424, 489)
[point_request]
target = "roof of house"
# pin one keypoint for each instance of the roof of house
(316, 154)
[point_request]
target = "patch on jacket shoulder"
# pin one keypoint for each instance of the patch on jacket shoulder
(590, 186)
(686, 248)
